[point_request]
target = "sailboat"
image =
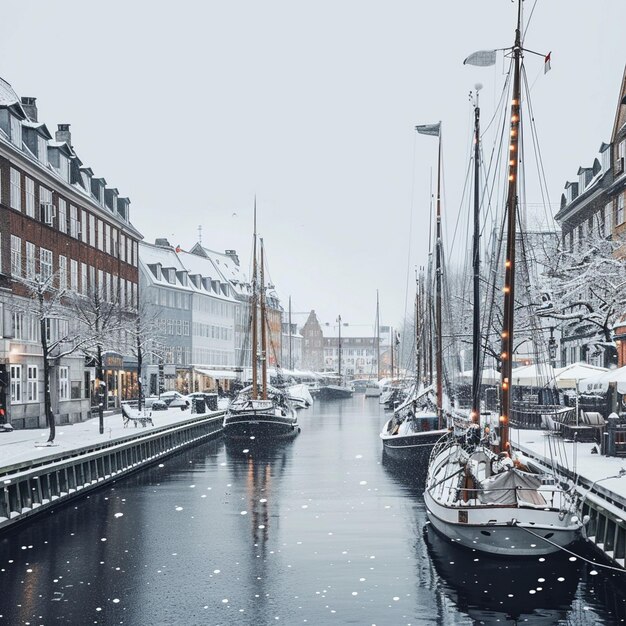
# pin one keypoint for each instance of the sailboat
(479, 492)
(336, 388)
(373, 389)
(418, 421)
(260, 410)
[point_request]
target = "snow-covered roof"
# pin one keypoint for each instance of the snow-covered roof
(8, 97)
(227, 267)
(167, 257)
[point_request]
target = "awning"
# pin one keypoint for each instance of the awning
(567, 377)
(219, 374)
(600, 384)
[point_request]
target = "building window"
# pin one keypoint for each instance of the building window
(64, 168)
(62, 272)
(16, 256)
(16, 132)
(16, 190)
(74, 229)
(107, 239)
(100, 235)
(45, 205)
(62, 215)
(42, 150)
(129, 254)
(30, 196)
(64, 383)
(73, 275)
(92, 230)
(621, 155)
(186, 328)
(83, 278)
(619, 214)
(16, 384)
(83, 226)
(606, 159)
(122, 248)
(30, 260)
(32, 384)
(45, 263)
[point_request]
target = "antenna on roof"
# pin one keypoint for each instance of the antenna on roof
(200, 234)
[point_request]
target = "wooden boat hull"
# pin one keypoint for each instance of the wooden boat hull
(335, 392)
(417, 446)
(259, 425)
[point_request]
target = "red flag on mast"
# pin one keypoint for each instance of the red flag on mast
(546, 61)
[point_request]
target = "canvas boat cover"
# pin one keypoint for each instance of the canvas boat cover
(511, 487)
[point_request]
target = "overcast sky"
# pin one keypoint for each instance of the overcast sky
(192, 108)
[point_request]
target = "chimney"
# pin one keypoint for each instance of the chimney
(162, 243)
(64, 134)
(233, 255)
(30, 108)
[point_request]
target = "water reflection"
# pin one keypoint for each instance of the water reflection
(491, 589)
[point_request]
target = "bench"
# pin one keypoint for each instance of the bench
(144, 420)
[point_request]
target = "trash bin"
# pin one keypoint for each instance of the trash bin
(211, 401)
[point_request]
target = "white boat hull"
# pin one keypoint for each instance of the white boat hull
(517, 532)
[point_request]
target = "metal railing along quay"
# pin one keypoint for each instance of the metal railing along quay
(28, 488)
(606, 527)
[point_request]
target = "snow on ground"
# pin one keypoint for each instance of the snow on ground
(19, 446)
(575, 456)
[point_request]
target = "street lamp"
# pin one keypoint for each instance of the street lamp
(552, 347)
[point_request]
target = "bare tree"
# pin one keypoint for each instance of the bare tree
(585, 290)
(146, 338)
(104, 321)
(58, 336)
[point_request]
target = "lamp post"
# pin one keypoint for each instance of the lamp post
(552, 347)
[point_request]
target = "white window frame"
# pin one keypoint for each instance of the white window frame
(46, 209)
(83, 278)
(92, 230)
(32, 383)
(16, 255)
(74, 275)
(42, 150)
(83, 226)
(107, 238)
(62, 272)
(619, 211)
(16, 384)
(74, 230)
(64, 383)
(62, 215)
(100, 235)
(16, 189)
(16, 131)
(31, 256)
(29, 191)
(45, 263)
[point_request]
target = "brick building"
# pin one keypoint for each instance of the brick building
(56, 219)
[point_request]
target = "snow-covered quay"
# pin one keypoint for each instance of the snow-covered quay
(36, 476)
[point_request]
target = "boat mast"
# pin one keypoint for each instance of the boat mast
(509, 271)
(417, 332)
(438, 315)
(255, 339)
(263, 328)
(476, 373)
(377, 338)
(339, 347)
(290, 359)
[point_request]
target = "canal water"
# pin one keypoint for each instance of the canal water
(319, 530)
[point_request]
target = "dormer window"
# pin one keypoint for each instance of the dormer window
(64, 167)
(581, 181)
(606, 159)
(42, 150)
(156, 270)
(16, 132)
(621, 157)
(85, 178)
